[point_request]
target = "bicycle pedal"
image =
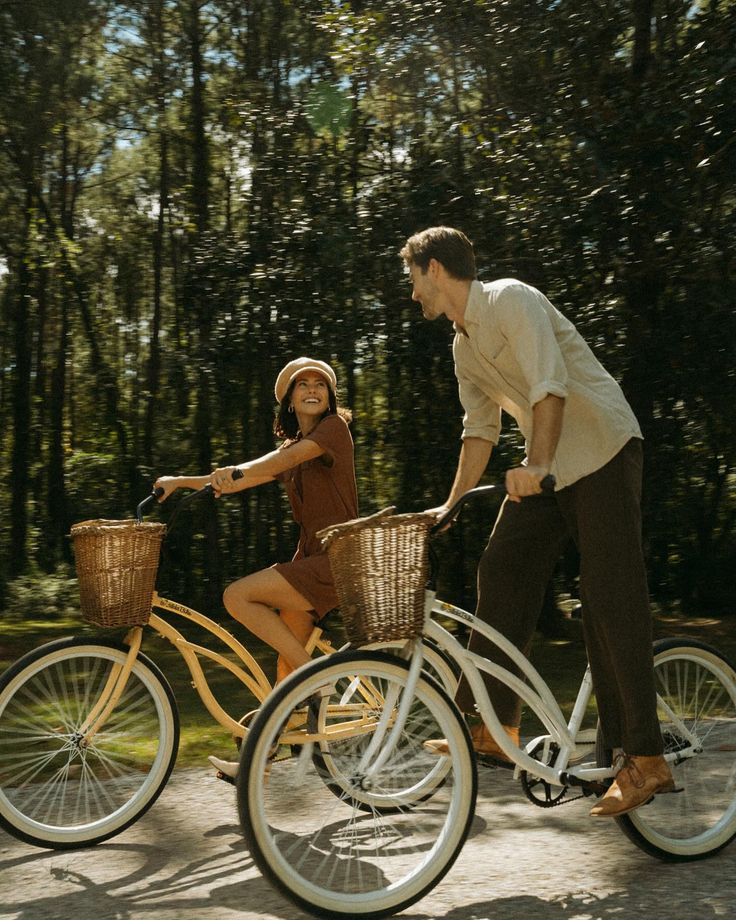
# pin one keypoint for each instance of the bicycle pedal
(225, 778)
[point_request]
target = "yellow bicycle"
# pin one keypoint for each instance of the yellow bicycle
(89, 727)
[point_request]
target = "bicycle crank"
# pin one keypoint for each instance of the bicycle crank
(538, 791)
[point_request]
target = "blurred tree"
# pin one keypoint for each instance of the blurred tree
(195, 191)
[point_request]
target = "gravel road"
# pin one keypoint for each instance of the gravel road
(185, 858)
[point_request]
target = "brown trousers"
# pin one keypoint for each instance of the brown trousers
(602, 513)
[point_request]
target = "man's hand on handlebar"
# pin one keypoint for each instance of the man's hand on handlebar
(522, 481)
(439, 512)
(539, 481)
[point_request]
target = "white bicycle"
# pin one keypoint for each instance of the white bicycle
(351, 816)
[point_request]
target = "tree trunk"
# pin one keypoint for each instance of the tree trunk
(642, 53)
(201, 302)
(59, 522)
(20, 457)
(153, 371)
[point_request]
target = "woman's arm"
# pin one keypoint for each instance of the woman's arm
(265, 468)
(255, 472)
(171, 483)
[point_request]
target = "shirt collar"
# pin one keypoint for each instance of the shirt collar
(472, 308)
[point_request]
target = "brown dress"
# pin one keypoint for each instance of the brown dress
(321, 492)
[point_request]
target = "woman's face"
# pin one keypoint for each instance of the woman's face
(311, 394)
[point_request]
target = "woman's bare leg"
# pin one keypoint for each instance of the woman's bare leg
(251, 601)
(301, 624)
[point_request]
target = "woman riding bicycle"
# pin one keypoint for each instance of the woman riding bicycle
(281, 604)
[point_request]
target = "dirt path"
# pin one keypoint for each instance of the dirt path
(185, 858)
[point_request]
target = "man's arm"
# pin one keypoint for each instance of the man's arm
(474, 456)
(546, 427)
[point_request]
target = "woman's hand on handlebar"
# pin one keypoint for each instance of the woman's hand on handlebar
(224, 480)
(165, 485)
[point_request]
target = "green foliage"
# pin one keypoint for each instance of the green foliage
(193, 193)
(51, 598)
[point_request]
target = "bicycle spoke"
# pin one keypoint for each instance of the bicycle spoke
(63, 779)
(698, 718)
(346, 842)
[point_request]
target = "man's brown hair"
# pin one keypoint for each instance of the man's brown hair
(449, 246)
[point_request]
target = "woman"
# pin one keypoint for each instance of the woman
(315, 463)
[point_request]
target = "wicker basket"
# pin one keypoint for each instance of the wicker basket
(117, 563)
(380, 567)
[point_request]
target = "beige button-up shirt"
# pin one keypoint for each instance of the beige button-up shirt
(516, 349)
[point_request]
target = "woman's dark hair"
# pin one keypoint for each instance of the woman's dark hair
(286, 424)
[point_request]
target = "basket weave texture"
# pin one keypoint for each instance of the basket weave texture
(380, 567)
(117, 562)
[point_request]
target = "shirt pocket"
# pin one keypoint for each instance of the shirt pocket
(490, 348)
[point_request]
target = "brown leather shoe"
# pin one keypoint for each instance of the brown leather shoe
(639, 779)
(483, 743)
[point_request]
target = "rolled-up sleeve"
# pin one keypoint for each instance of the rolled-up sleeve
(528, 331)
(482, 418)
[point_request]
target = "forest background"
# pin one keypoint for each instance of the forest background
(192, 193)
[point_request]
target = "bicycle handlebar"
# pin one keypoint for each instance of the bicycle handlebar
(157, 493)
(547, 484)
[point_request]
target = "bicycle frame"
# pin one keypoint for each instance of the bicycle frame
(533, 691)
(571, 740)
(250, 674)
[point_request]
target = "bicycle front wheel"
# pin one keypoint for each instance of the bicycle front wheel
(437, 663)
(696, 688)
(59, 789)
(351, 855)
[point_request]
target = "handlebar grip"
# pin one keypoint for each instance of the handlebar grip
(237, 474)
(547, 485)
(157, 493)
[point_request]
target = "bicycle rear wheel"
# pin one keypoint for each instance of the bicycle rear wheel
(56, 790)
(696, 687)
(334, 761)
(377, 847)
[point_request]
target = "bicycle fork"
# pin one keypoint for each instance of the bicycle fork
(384, 740)
(112, 691)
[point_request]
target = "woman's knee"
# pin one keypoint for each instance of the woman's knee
(235, 595)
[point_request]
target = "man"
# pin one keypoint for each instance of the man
(515, 352)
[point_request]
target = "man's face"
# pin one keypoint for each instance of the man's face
(425, 292)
